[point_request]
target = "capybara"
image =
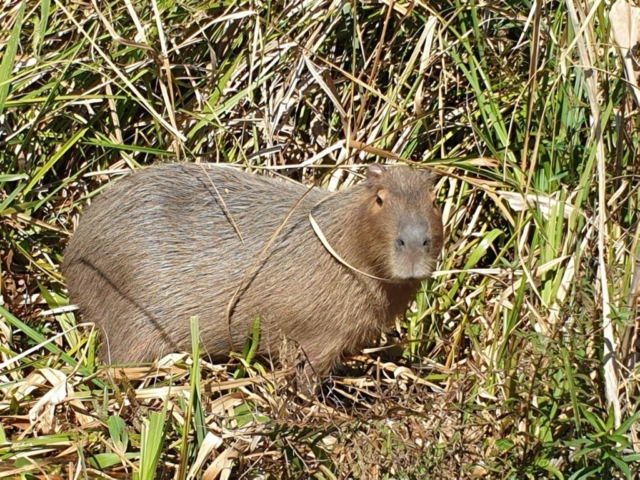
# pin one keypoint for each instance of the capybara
(174, 241)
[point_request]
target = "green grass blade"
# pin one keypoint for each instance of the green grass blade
(45, 6)
(8, 56)
(40, 172)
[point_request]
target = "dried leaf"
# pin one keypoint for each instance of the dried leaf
(625, 30)
(544, 204)
(221, 466)
(210, 443)
(42, 413)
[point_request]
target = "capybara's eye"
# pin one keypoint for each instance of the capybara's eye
(379, 200)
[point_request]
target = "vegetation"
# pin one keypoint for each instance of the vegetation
(517, 358)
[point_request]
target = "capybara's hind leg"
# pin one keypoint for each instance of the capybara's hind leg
(143, 349)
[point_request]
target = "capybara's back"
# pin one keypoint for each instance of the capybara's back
(170, 242)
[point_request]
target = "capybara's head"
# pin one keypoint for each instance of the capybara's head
(403, 230)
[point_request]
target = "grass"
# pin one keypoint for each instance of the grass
(517, 360)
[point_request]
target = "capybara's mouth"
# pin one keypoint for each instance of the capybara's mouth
(417, 274)
(411, 269)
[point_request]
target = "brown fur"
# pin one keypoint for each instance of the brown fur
(158, 248)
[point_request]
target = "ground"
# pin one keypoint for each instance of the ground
(516, 360)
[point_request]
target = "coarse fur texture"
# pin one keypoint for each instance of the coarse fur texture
(158, 247)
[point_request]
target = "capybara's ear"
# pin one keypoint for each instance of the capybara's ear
(375, 172)
(430, 176)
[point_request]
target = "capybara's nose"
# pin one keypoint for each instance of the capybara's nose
(413, 237)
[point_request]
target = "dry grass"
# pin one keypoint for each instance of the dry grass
(517, 360)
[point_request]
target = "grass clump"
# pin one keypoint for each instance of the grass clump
(517, 360)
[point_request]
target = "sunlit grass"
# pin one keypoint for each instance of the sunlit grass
(500, 368)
